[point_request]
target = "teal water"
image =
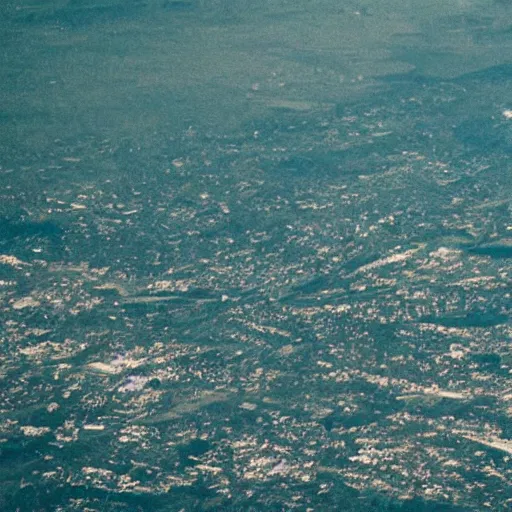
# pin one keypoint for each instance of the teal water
(255, 256)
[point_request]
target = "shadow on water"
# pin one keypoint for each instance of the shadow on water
(77, 14)
(496, 74)
(493, 251)
(474, 319)
(484, 134)
(11, 230)
(83, 14)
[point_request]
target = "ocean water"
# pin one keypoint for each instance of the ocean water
(255, 255)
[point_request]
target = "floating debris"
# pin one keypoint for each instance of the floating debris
(26, 302)
(6, 259)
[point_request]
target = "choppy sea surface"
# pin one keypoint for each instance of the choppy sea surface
(255, 255)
